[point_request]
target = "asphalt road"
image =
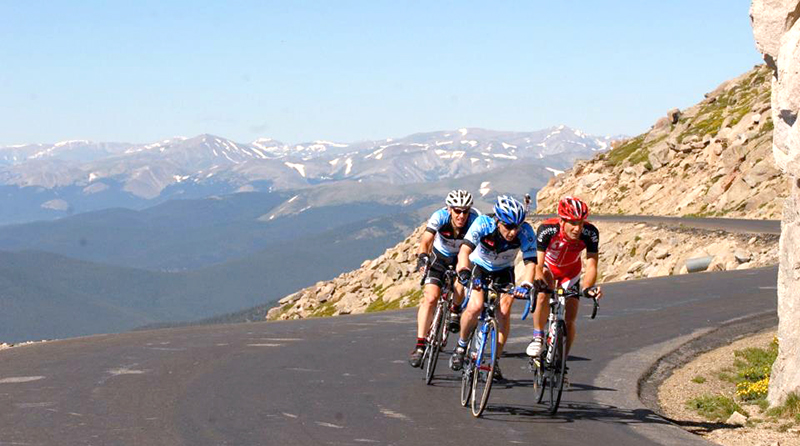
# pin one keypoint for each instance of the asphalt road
(345, 380)
(726, 224)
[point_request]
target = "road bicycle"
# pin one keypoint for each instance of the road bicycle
(481, 357)
(438, 331)
(549, 367)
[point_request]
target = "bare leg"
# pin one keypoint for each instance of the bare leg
(504, 319)
(425, 312)
(458, 294)
(543, 304)
(470, 317)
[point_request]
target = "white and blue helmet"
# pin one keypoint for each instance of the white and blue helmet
(509, 210)
(459, 198)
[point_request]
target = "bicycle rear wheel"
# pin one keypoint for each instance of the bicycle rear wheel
(484, 368)
(556, 372)
(434, 341)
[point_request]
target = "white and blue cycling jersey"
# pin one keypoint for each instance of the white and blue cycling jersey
(491, 251)
(448, 239)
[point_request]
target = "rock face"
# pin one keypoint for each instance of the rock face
(627, 251)
(777, 34)
(712, 159)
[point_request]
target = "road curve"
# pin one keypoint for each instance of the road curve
(345, 380)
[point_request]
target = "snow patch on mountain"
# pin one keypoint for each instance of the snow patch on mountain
(504, 156)
(484, 189)
(555, 171)
(300, 168)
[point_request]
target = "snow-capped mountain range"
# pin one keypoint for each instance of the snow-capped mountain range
(78, 170)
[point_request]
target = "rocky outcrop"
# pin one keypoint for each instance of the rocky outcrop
(712, 159)
(777, 35)
(628, 251)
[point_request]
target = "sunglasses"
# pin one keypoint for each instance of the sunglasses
(460, 211)
(510, 227)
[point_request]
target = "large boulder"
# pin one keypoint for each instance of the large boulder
(660, 154)
(760, 172)
(777, 35)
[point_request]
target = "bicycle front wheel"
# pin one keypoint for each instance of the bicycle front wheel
(466, 376)
(559, 364)
(539, 378)
(434, 342)
(485, 363)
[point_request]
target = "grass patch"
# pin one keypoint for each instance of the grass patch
(725, 375)
(789, 408)
(325, 310)
(379, 290)
(698, 379)
(380, 305)
(414, 297)
(623, 152)
(715, 407)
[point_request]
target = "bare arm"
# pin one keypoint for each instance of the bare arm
(590, 276)
(463, 257)
(530, 272)
(539, 267)
(425, 243)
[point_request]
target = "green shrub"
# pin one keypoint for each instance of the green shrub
(714, 407)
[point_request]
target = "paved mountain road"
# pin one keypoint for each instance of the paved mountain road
(345, 380)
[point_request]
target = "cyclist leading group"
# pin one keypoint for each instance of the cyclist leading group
(490, 246)
(483, 247)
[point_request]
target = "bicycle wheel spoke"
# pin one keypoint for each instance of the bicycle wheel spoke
(484, 372)
(432, 351)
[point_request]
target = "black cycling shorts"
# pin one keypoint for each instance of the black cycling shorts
(502, 278)
(439, 264)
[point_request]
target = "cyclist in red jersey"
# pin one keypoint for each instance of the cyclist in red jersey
(559, 243)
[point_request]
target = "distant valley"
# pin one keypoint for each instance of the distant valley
(188, 229)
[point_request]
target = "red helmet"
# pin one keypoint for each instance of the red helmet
(572, 208)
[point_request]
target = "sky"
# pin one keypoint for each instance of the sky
(355, 70)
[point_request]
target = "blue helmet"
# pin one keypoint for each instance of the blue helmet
(509, 210)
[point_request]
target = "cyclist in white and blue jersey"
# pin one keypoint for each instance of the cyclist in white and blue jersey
(490, 246)
(438, 247)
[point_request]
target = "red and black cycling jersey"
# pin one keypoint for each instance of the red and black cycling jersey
(561, 255)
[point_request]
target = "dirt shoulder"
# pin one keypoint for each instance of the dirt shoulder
(708, 376)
